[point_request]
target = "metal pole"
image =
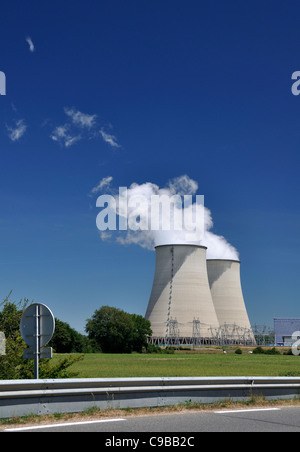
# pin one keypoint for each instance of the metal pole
(37, 342)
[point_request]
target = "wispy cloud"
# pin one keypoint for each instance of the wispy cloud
(105, 182)
(79, 126)
(62, 135)
(15, 133)
(110, 139)
(30, 43)
(81, 119)
(73, 130)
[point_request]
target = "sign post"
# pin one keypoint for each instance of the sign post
(37, 328)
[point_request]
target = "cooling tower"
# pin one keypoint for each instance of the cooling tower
(181, 304)
(225, 285)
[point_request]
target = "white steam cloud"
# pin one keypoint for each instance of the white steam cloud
(217, 246)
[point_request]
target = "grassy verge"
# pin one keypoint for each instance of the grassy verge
(185, 364)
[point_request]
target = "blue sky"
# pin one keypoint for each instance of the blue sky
(146, 92)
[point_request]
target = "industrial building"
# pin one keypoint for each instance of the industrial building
(191, 306)
(284, 330)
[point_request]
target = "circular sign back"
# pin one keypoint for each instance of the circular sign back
(37, 320)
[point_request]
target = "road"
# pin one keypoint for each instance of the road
(285, 419)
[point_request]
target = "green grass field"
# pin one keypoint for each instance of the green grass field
(184, 365)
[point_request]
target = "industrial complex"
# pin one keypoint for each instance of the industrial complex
(197, 301)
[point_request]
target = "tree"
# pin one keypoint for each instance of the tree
(142, 329)
(68, 340)
(111, 328)
(12, 365)
(116, 331)
(10, 316)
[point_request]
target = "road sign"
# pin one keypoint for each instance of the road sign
(37, 316)
(37, 328)
(46, 353)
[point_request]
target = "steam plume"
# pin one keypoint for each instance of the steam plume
(217, 246)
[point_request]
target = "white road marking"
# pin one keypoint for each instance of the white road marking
(246, 411)
(67, 424)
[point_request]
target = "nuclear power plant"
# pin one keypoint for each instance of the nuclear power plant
(226, 290)
(196, 301)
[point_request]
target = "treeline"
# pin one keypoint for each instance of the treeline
(109, 330)
(68, 340)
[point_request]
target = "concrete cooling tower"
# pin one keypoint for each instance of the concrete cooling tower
(181, 305)
(226, 291)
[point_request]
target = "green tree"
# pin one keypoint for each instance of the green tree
(68, 340)
(116, 331)
(141, 330)
(12, 365)
(10, 316)
(112, 329)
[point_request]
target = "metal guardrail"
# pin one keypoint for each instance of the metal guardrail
(23, 397)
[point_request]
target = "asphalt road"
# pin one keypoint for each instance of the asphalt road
(285, 419)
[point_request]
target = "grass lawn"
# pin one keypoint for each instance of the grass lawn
(184, 365)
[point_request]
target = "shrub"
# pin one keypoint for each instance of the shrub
(153, 349)
(272, 351)
(169, 351)
(261, 351)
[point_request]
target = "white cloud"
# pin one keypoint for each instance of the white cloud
(69, 141)
(79, 126)
(105, 182)
(62, 135)
(74, 130)
(15, 133)
(81, 119)
(110, 139)
(30, 43)
(105, 235)
(183, 185)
